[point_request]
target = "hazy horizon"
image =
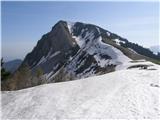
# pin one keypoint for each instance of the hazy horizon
(24, 23)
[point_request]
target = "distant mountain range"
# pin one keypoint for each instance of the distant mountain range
(74, 50)
(155, 49)
(12, 66)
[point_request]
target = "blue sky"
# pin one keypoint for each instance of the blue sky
(23, 23)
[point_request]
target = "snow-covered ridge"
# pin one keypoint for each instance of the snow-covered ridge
(70, 26)
(127, 94)
(94, 46)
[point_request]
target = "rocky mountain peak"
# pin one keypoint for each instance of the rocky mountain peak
(74, 50)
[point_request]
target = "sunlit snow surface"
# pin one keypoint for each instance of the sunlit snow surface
(126, 94)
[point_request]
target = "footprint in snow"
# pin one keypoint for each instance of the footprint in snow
(153, 85)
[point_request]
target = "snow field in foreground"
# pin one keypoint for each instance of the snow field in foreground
(128, 94)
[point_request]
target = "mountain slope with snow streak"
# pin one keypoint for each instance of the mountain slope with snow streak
(125, 94)
(89, 40)
(76, 50)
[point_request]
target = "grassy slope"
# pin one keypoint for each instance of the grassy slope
(129, 53)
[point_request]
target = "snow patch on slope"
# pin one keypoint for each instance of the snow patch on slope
(70, 26)
(132, 50)
(119, 41)
(108, 33)
(49, 56)
(55, 54)
(42, 60)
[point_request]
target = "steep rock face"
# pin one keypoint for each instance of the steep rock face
(53, 50)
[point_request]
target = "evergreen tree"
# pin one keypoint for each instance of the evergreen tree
(39, 72)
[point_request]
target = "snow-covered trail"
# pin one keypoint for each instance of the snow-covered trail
(125, 94)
